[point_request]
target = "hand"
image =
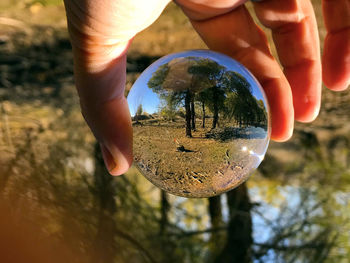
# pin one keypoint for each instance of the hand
(101, 32)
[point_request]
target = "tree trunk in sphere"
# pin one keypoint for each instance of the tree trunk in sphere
(216, 108)
(203, 118)
(193, 114)
(188, 113)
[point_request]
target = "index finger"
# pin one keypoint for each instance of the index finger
(235, 34)
(294, 30)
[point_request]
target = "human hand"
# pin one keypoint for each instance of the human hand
(101, 32)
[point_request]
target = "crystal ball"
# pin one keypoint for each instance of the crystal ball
(200, 121)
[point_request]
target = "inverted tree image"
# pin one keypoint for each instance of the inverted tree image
(203, 126)
(184, 82)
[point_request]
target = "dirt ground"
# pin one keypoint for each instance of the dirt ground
(197, 166)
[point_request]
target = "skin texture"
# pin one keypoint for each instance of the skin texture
(101, 32)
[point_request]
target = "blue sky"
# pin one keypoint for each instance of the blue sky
(141, 94)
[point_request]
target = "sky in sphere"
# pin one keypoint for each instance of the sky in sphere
(141, 94)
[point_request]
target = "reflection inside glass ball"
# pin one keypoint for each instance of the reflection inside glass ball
(200, 123)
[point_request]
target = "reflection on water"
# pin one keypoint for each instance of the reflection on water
(193, 112)
(304, 221)
(293, 224)
(53, 181)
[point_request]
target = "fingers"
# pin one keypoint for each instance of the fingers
(105, 109)
(336, 54)
(234, 33)
(294, 31)
(204, 9)
(100, 33)
(100, 80)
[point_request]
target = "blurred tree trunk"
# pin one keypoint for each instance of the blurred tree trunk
(167, 246)
(193, 114)
(104, 246)
(215, 211)
(188, 113)
(239, 233)
(164, 209)
(216, 237)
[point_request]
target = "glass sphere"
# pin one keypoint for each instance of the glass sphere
(201, 123)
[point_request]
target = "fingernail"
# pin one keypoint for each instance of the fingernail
(108, 158)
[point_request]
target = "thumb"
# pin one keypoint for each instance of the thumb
(100, 33)
(106, 111)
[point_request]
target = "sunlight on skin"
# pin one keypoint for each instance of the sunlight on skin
(23, 241)
(101, 32)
